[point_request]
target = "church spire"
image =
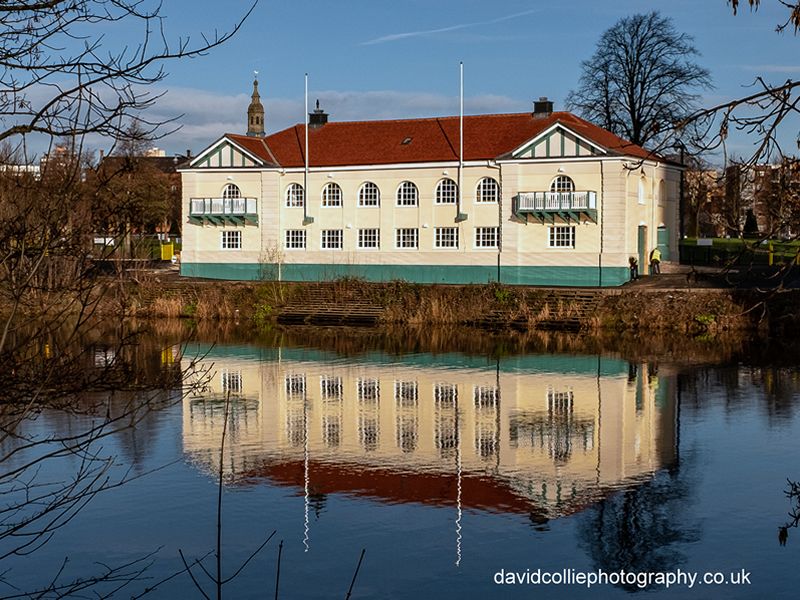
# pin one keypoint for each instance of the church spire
(255, 113)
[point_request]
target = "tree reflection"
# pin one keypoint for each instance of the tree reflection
(641, 529)
(793, 493)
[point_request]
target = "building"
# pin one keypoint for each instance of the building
(544, 435)
(539, 198)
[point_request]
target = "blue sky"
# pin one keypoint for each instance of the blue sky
(373, 59)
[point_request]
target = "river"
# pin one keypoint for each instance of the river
(463, 470)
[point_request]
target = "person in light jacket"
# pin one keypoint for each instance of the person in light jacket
(655, 261)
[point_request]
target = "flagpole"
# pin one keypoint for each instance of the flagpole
(305, 152)
(460, 130)
(460, 216)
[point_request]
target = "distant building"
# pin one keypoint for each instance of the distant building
(746, 201)
(545, 198)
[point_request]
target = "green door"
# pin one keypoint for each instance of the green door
(663, 242)
(643, 249)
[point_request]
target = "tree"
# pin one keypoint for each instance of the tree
(63, 79)
(640, 80)
(760, 114)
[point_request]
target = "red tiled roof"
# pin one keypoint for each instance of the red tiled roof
(486, 137)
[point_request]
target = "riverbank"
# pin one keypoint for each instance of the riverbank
(693, 311)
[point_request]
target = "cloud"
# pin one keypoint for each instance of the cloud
(207, 115)
(203, 116)
(772, 68)
(427, 32)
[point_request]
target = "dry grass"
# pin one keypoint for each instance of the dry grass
(166, 307)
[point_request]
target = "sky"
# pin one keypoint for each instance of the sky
(370, 59)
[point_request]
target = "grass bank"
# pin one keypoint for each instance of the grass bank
(490, 306)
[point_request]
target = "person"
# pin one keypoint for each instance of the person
(655, 261)
(634, 266)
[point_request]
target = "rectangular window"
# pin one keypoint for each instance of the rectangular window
(295, 386)
(485, 396)
(407, 238)
(406, 393)
(295, 239)
(332, 239)
(445, 395)
(446, 237)
(331, 389)
(369, 238)
(487, 237)
(231, 382)
(562, 237)
(231, 240)
(369, 391)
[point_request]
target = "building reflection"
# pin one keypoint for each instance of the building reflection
(541, 435)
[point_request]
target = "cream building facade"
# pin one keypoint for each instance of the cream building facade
(540, 433)
(541, 198)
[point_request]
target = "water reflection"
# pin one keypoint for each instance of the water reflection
(539, 435)
(639, 454)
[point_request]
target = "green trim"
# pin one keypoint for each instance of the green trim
(521, 275)
(563, 144)
(547, 146)
(231, 153)
(662, 241)
(576, 364)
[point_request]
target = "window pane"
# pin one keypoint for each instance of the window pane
(296, 238)
(446, 237)
(295, 195)
(406, 238)
(488, 190)
(486, 237)
(231, 191)
(332, 239)
(369, 195)
(332, 195)
(231, 240)
(562, 183)
(562, 237)
(407, 194)
(369, 238)
(446, 192)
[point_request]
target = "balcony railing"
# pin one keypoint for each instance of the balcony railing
(222, 206)
(566, 206)
(223, 211)
(556, 201)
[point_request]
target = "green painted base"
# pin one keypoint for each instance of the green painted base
(544, 276)
(574, 364)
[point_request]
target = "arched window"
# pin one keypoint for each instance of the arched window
(662, 192)
(446, 192)
(231, 191)
(295, 195)
(369, 195)
(488, 190)
(407, 194)
(331, 195)
(562, 183)
(642, 184)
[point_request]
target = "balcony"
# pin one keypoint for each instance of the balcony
(568, 206)
(223, 211)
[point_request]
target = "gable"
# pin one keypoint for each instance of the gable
(557, 142)
(226, 154)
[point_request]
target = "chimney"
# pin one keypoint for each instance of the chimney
(189, 153)
(318, 118)
(542, 108)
